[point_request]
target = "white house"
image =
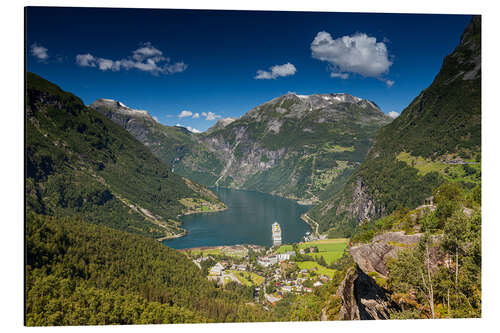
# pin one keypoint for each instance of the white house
(285, 256)
(217, 269)
(267, 261)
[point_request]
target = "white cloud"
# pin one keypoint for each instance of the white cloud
(178, 67)
(192, 129)
(146, 51)
(210, 115)
(189, 128)
(156, 118)
(343, 76)
(86, 60)
(358, 54)
(146, 58)
(388, 82)
(393, 114)
(185, 113)
(105, 64)
(196, 115)
(39, 52)
(276, 71)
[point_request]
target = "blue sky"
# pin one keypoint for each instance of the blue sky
(224, 63)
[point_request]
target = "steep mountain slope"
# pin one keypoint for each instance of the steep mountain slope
(292, 146)
(166, 142)
(80, 163)
(436, 138)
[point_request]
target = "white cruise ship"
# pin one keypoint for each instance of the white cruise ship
(276, 234)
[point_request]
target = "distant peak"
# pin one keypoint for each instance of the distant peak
(339, 97)
(117, 106)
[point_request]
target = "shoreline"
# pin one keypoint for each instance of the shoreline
(221, 247)
(182, 234)
(184, 231)
(301, 202)
(199, 212)
(304, 217)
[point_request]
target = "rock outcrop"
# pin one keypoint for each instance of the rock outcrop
(373, 256)
(362, 298)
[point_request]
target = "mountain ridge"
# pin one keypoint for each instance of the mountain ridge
(250, 152)
(77, 161)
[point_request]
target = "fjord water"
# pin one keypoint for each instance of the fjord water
(247, 220)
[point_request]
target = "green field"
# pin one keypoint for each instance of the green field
(317, 268)
(330, 249)
(248, 278)
(451, 172)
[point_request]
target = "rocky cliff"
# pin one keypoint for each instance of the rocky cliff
(373, 256)
(362, 298)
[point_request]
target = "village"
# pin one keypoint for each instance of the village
(272, 272)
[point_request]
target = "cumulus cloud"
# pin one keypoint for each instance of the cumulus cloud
(393, 114)
(146, 58)
(210, 115)
(185, 113)
(39, 52)
(86, 60)
(189, 128)
(358, 54)
(192, 129)
(196, 115)
(276, 71)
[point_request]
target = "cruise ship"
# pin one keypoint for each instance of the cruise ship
(276, 234)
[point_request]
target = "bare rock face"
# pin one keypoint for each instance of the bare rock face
(136, 122)
(363, 299)
(373, 257)
(363, 206)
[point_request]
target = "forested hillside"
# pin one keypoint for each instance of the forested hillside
(83, 274)
(79, 163)
(437, 138)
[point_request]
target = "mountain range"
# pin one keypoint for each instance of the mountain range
(294, 146)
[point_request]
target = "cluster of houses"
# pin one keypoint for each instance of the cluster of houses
(284, 286)
(310, 237)
(270, 260)
(222, 272)
(220, 267)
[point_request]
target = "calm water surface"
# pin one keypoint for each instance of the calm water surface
(247, 220)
